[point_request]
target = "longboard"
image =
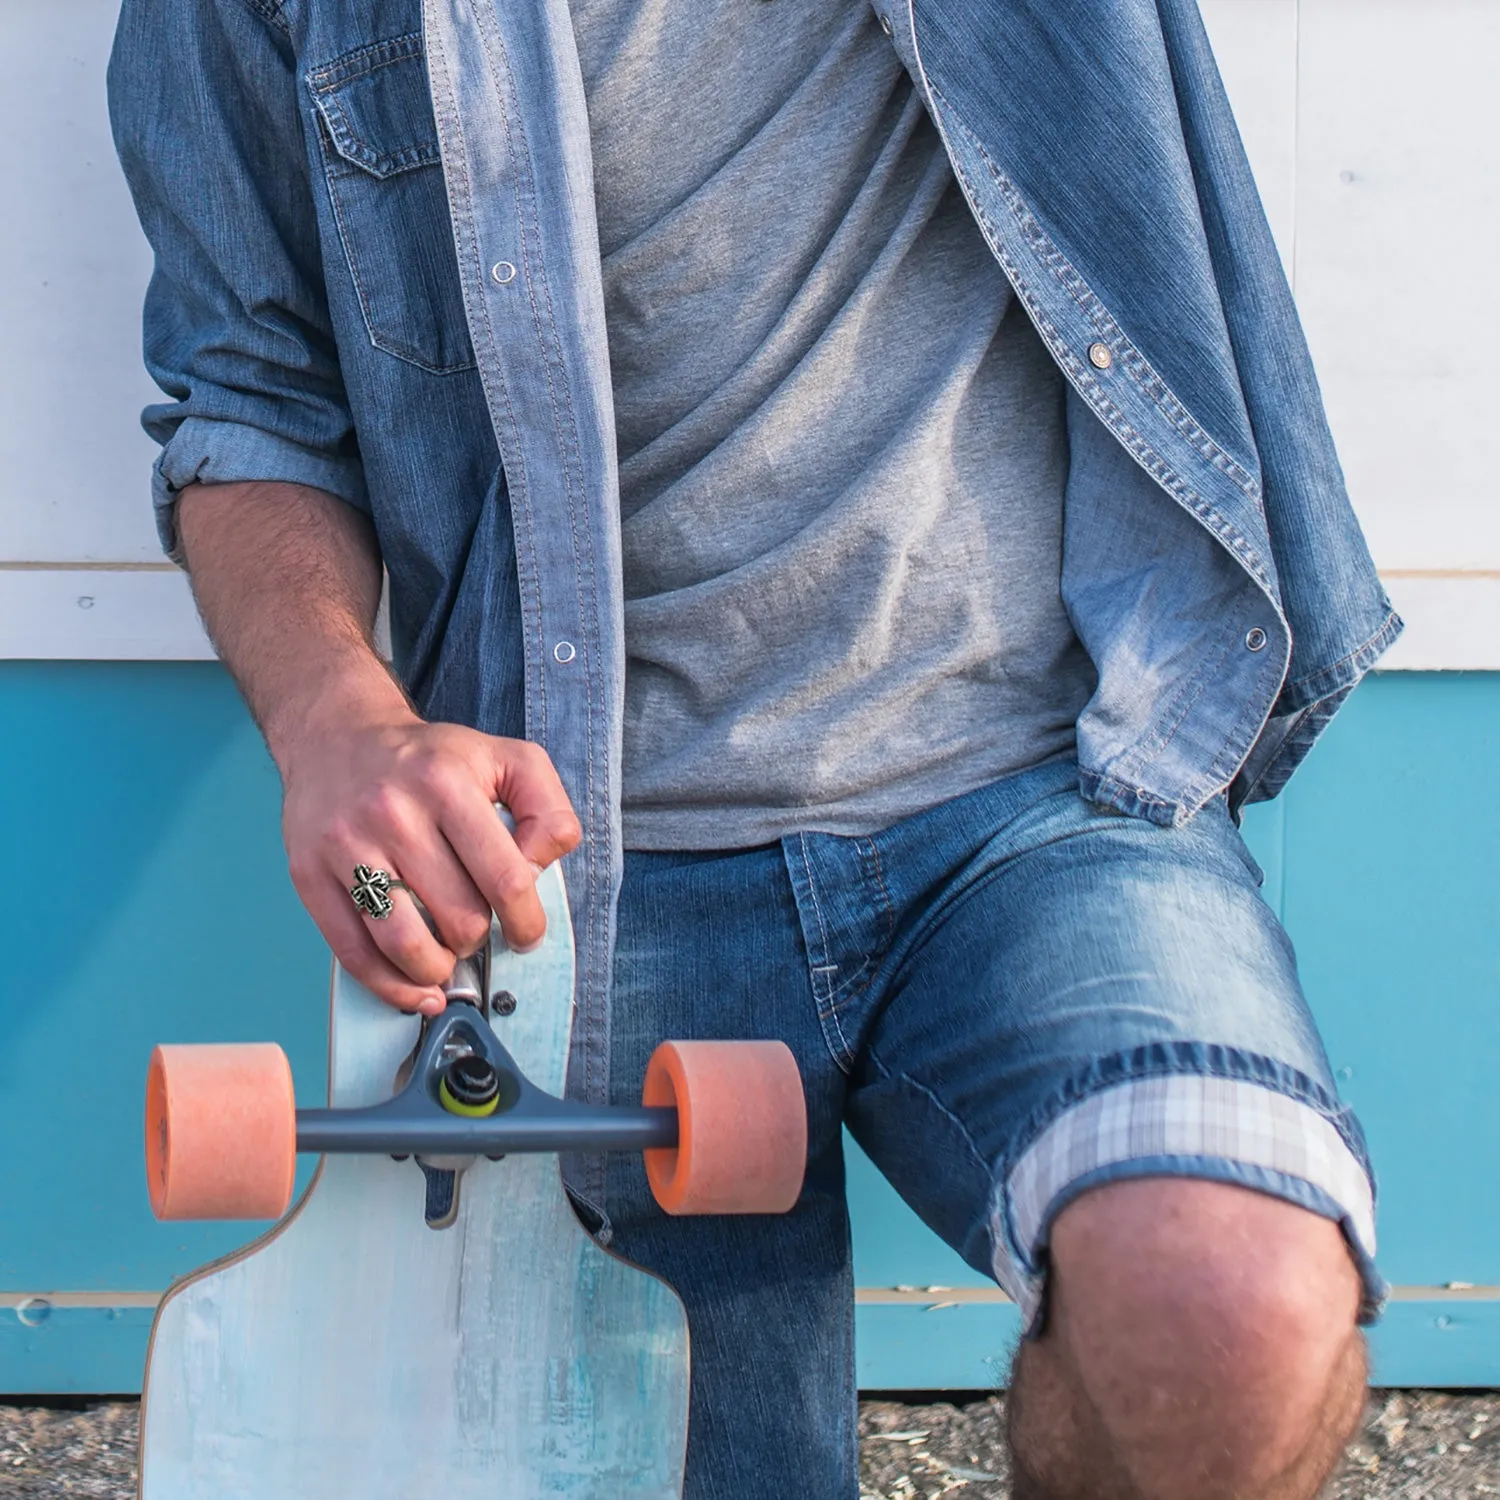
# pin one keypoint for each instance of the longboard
(353, 1351)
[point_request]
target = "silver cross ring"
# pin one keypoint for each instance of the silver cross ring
(372, 891)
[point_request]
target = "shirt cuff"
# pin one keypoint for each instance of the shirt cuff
(205, 450)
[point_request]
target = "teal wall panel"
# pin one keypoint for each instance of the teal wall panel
(969, 1348)
(1437, 1343)
(961, 1348)
(144, 897)
(89, 1350)
(86, 1351)
(1392, 898)
(892, 1246)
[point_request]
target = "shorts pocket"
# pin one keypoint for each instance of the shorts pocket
(385, 181)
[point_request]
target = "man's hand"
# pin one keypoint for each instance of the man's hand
(287, 579)
(416, 799)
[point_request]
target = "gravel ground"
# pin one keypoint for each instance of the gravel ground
(1416, 1445)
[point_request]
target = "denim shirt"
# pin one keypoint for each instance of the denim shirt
(377, 272)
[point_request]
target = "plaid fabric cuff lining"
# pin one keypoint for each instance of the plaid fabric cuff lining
(1183, 1115)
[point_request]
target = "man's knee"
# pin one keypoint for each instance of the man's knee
(1204, 1326)
(1238, 1275)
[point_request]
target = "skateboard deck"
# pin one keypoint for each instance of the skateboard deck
(355, 1352)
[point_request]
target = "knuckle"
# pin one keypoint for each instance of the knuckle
(339, 835)
(470, 930)
(303, 868)
(513, 883)
(405, 950)
(532, 758)
(383, 806)
(525, 932)
(564, 829)
(551, 834)
(438, 777)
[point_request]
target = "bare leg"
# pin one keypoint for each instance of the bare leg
(1200, 1345)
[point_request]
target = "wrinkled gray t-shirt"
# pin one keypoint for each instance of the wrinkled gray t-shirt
(841, 442)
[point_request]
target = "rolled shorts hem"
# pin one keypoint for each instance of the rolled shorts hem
(1184, 1110)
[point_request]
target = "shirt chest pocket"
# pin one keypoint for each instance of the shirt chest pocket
(385, 183)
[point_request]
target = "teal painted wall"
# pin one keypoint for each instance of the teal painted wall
(143, 898)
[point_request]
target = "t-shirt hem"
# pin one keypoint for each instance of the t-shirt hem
(714, 827)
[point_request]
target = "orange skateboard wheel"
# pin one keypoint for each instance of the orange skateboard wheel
(741, 1127)
(221, 1131)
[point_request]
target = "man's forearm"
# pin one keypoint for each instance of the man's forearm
(287, 579)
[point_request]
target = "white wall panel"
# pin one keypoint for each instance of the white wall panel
(1255, 42)
(1452, 621)
(1366, 125)
(99, 614)
(74, 465)
(1398, 219)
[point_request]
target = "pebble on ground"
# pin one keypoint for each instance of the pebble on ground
(1415, 1445)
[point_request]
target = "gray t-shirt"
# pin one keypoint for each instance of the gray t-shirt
(842, 452)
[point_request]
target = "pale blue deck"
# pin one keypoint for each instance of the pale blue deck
(139, 829)
(505, 1354)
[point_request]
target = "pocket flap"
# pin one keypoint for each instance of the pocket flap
(376, 106)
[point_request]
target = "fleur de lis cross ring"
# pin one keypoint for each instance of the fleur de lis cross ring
(372, 891)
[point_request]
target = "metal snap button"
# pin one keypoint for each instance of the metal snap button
(885, 24)
(503, 272)
(1256, 640)
(1100, 357)
(563, 652)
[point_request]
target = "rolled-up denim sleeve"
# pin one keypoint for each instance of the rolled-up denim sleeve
(204, 107)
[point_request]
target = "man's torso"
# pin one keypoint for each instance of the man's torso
(841, 443)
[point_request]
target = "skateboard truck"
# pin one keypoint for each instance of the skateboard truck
(450, 1058)
(462, 1095)
(722, 1124)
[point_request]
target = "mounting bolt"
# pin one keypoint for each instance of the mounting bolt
(503, 1003)
(34, 1311)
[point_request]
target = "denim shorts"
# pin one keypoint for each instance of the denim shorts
(1008, 999)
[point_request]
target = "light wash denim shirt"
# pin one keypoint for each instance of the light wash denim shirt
(377, 272)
